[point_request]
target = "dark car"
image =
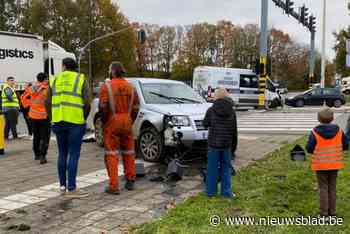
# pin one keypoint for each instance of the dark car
(316, 97)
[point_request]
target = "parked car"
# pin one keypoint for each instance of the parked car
(163, 102)
(316, 97)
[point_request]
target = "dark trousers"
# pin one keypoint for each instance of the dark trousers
(28, 122)
(11, 119)
(327, 181)
(41, 137)
(69, 139)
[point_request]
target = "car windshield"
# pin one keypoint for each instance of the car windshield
(169, 93)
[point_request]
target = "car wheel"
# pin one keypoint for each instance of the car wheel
(300, 103)
(329, 103)
(99, 132)
(347, 92)
(150, 144)
(337, 103)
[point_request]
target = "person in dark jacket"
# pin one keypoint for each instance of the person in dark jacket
(222, 142)
(327, 143)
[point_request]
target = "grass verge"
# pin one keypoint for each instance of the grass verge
(274, 186)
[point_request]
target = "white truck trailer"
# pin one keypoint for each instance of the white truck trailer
(23, 56)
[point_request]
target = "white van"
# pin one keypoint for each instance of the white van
(23, 56)
(242, 85)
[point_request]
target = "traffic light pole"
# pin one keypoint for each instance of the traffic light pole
(263, 52)
(312, 58)
(307, 21)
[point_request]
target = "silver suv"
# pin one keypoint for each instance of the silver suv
(163, 103)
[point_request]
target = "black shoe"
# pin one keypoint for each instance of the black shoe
(43, 161)
(129, 185)
(112, 191)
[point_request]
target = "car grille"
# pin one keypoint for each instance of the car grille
(199, 125)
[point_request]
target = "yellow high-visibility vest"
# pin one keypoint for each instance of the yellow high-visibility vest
(7, 103)
(67, 98)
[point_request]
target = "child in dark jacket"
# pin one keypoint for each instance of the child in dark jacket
(327, 143)
(222, 141)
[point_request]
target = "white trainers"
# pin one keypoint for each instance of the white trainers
(62, 190)
(76, 194)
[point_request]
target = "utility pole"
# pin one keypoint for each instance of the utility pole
(90, 48)
(263, 52)
(323, 65)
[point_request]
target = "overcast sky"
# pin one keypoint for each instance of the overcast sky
(184, 12)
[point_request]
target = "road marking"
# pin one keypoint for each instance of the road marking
(43, 193)
(249, 138)
(276, 122)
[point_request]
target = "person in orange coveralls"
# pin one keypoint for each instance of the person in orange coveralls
(119, 105)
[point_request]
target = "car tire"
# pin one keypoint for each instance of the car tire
(347, 92)
(151, 144)
(337, 103)
(300, 103)
(99, 132)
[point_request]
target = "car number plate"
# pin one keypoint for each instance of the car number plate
(202, 135)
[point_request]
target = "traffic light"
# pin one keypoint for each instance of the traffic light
(304, 16)
(289, 7)
(312, 23)
(141, 36)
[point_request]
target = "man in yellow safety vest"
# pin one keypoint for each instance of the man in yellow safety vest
(10, 107)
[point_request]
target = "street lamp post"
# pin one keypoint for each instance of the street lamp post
(82, 50)
(323, 66)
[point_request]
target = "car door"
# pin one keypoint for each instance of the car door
(313, 97)
(328, 96)
(318, 97)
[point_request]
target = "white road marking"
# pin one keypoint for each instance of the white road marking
(43, 193)
(277, 122)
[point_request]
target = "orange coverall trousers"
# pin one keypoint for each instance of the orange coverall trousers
(118, 147)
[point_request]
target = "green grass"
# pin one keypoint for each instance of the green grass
(347, 99)
(274, 186)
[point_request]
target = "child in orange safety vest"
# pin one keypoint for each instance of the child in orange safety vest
(327, 142)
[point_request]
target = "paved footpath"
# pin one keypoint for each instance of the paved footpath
(29, 196)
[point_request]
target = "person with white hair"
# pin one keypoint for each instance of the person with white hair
(222, 142)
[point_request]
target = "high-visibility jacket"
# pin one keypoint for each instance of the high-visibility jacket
(7, 103)
(37, 103)
(67, 99)
(25, 98)
(328, 153)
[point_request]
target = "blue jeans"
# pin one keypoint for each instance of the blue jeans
(219, 164)
(69, 139)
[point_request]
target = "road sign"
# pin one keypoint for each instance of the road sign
(348, 46)
(348, 60)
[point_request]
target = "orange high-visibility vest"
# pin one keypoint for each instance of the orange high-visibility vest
(25, 98)
(37, 105)
(328, 154)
